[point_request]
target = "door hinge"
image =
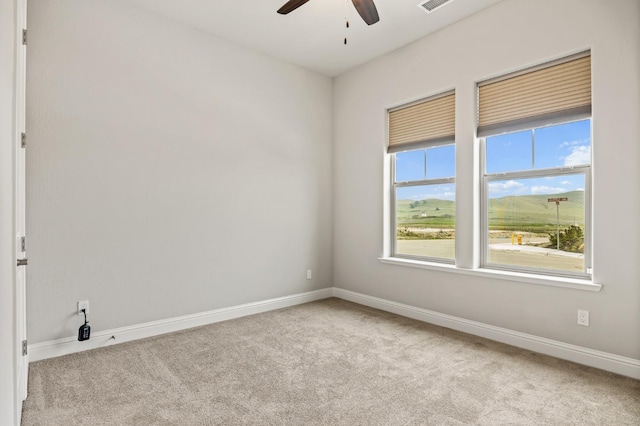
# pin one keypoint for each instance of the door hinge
(23, 244)
(24, 37)
(24, 347)
(23, 140)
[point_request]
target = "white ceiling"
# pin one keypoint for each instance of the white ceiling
(312, 36)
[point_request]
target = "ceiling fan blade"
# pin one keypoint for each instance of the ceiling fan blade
(367, 10)
(290, 6)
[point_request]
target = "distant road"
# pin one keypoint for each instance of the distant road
(533, 249)
(500, 252)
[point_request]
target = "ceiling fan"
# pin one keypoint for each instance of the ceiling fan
(366, 9)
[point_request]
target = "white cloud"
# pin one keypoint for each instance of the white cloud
(565, 182)
(510, 186)
(574, 143)
(579, 155)
(565, 144)
(546, 190)
(446, 195)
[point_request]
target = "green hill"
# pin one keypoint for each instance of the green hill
(428, 213)
(524, 213)
(534, 212)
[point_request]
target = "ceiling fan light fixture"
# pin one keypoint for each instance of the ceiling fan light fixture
(290, 6)
(366, 9)
(431, 5)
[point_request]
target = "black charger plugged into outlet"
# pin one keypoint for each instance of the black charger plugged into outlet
(84, 332)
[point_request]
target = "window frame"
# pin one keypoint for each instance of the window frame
(487, 178)
(404, 184)
(470, 256)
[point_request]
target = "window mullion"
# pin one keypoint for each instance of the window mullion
(536, 173)
(424, 182)
(424, 159)
(533, 148)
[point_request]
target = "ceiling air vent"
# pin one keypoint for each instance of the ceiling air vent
(431, 5)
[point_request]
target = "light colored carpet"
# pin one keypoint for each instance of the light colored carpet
(329, 362)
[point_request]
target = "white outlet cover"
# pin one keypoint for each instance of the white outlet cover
(583, 317)
(83, 304)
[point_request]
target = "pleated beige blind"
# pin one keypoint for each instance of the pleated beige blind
(422, 123)
(545, 95)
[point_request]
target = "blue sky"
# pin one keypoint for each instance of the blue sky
(556, 146)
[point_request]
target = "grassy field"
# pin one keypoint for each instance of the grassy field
(524, 213)
(431, 213)
(533, 213)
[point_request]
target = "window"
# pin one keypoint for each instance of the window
(536, 174)
(533, 166)
(422, 151)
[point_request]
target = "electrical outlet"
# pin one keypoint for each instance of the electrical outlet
(583, 317)
(83, 304)
(308, 274)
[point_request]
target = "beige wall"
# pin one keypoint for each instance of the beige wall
(169, 172)
(150, 196)
(506, 37)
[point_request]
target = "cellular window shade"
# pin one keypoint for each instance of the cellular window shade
(546, 95)
(423, 123)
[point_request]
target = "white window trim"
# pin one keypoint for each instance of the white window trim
(517, 277)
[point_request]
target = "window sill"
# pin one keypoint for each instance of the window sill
(564, 282)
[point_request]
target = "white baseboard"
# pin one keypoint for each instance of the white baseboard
(65, 346)
(605, 361)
